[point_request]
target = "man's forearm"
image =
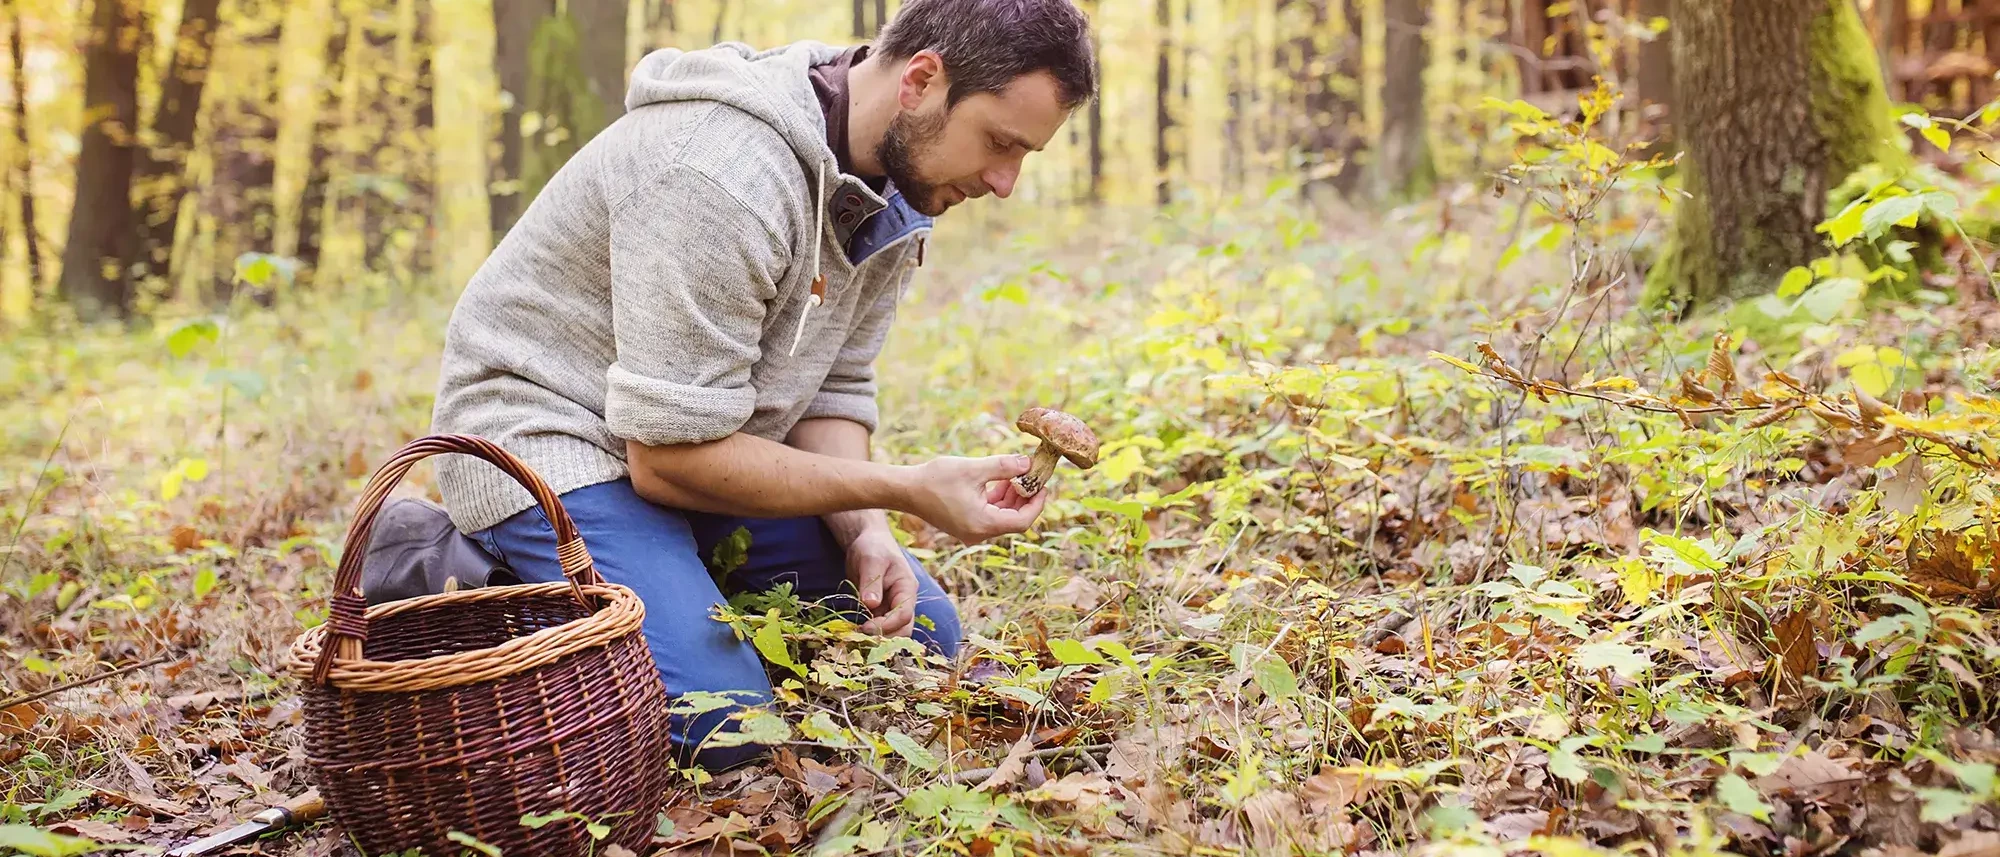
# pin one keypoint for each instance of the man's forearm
(841, 439)
(750, 476)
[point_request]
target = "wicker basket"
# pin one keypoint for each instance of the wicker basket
(465, 711)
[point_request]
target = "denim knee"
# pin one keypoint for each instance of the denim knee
(944, 633)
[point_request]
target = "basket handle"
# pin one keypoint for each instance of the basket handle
(347, 621)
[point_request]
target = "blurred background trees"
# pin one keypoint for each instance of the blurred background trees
(158, 144)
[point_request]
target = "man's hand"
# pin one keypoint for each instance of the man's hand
(887, 585)
(974, 499)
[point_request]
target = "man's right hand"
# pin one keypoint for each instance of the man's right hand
(974, 499)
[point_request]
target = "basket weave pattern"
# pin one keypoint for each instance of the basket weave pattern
(468, 710)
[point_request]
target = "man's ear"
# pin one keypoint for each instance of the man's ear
(922, 75)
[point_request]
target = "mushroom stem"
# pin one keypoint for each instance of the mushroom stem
(1043, 464)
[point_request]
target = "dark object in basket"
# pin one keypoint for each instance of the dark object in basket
(465, 711)
(415, 550)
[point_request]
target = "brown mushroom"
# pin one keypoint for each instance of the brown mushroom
(1062, 436)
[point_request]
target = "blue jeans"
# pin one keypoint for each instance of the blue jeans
(659, 552)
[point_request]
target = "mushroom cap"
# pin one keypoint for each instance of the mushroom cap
(1066, 433)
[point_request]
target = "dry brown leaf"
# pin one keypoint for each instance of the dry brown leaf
(1721, 369)
(1865, 451)
(1518, 825)
(617, 850)
(1904, 490)
(1806, 774)
(1973, 843)
(1948, 568)
(18, 719)
(186, 538)
(1334, 790)
(1011, 768)
(98, 830)
(1084, 790)
(1129, 760)
(1276, 821)
(1798, 655)
(782, 829)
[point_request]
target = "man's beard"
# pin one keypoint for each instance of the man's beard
(908, 136)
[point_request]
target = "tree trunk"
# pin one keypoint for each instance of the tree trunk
(326, 131)
(1777, 101)
(162, 180)
(96, 273)
(239, 199)
(514, 23)
(1656, 78)
(602, 25)
(1163, 82)
(1405, 157)
(861, 19)
(1097, 121)
(25, 162)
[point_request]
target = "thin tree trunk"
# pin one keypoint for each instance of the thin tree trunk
(1405, 156)
(514, 23)
(25, 164)
(602, 26)
(239, 199)
(312, 209)
(1162, 86)
(881, 15)
(1097, 120)
(1656, 78)
(162, 181)
(96, 274)
(1767, 132)
(860, 19)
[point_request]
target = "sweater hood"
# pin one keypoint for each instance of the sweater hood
(773, 85)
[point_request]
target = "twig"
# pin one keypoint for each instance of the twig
(976, 774)
(1396, 618)
(27, 698)
(883, 779)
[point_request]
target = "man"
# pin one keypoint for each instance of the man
(678, 335)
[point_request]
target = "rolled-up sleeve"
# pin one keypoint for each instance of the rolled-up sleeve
(691, 270)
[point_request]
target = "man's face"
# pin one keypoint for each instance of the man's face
(939, 158)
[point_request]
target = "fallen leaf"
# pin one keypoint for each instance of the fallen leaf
(1806, 774)
(1518, 825)
(1333, 790)
(1085, 790)
(1944, 564)
(783, 830)
(617, 850)
(1904, 490)
(1275, 821)
(1392, 645)
(18, 719)
(186, 538)
(1973, 843)
(1797, 653)
(1866, 450)
(97, 830)
(1010, 769)
(1128, 760)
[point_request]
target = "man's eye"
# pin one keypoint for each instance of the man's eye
(996, 144)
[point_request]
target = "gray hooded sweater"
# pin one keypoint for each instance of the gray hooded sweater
(653, 289)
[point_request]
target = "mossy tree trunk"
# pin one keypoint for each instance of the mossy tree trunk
(514, 24)
(1405, 166)
(1775, 102)
(97, 258)
(576, 85)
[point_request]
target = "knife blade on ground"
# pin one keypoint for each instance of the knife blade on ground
(303, 808)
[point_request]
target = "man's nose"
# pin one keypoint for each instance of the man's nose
(1001, 180)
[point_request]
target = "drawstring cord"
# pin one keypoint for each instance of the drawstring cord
(818, 295)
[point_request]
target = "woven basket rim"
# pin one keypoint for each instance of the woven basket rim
(621, 613)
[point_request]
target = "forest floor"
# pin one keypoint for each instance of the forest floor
(1325, 592)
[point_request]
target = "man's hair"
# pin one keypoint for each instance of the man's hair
(986, 44)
